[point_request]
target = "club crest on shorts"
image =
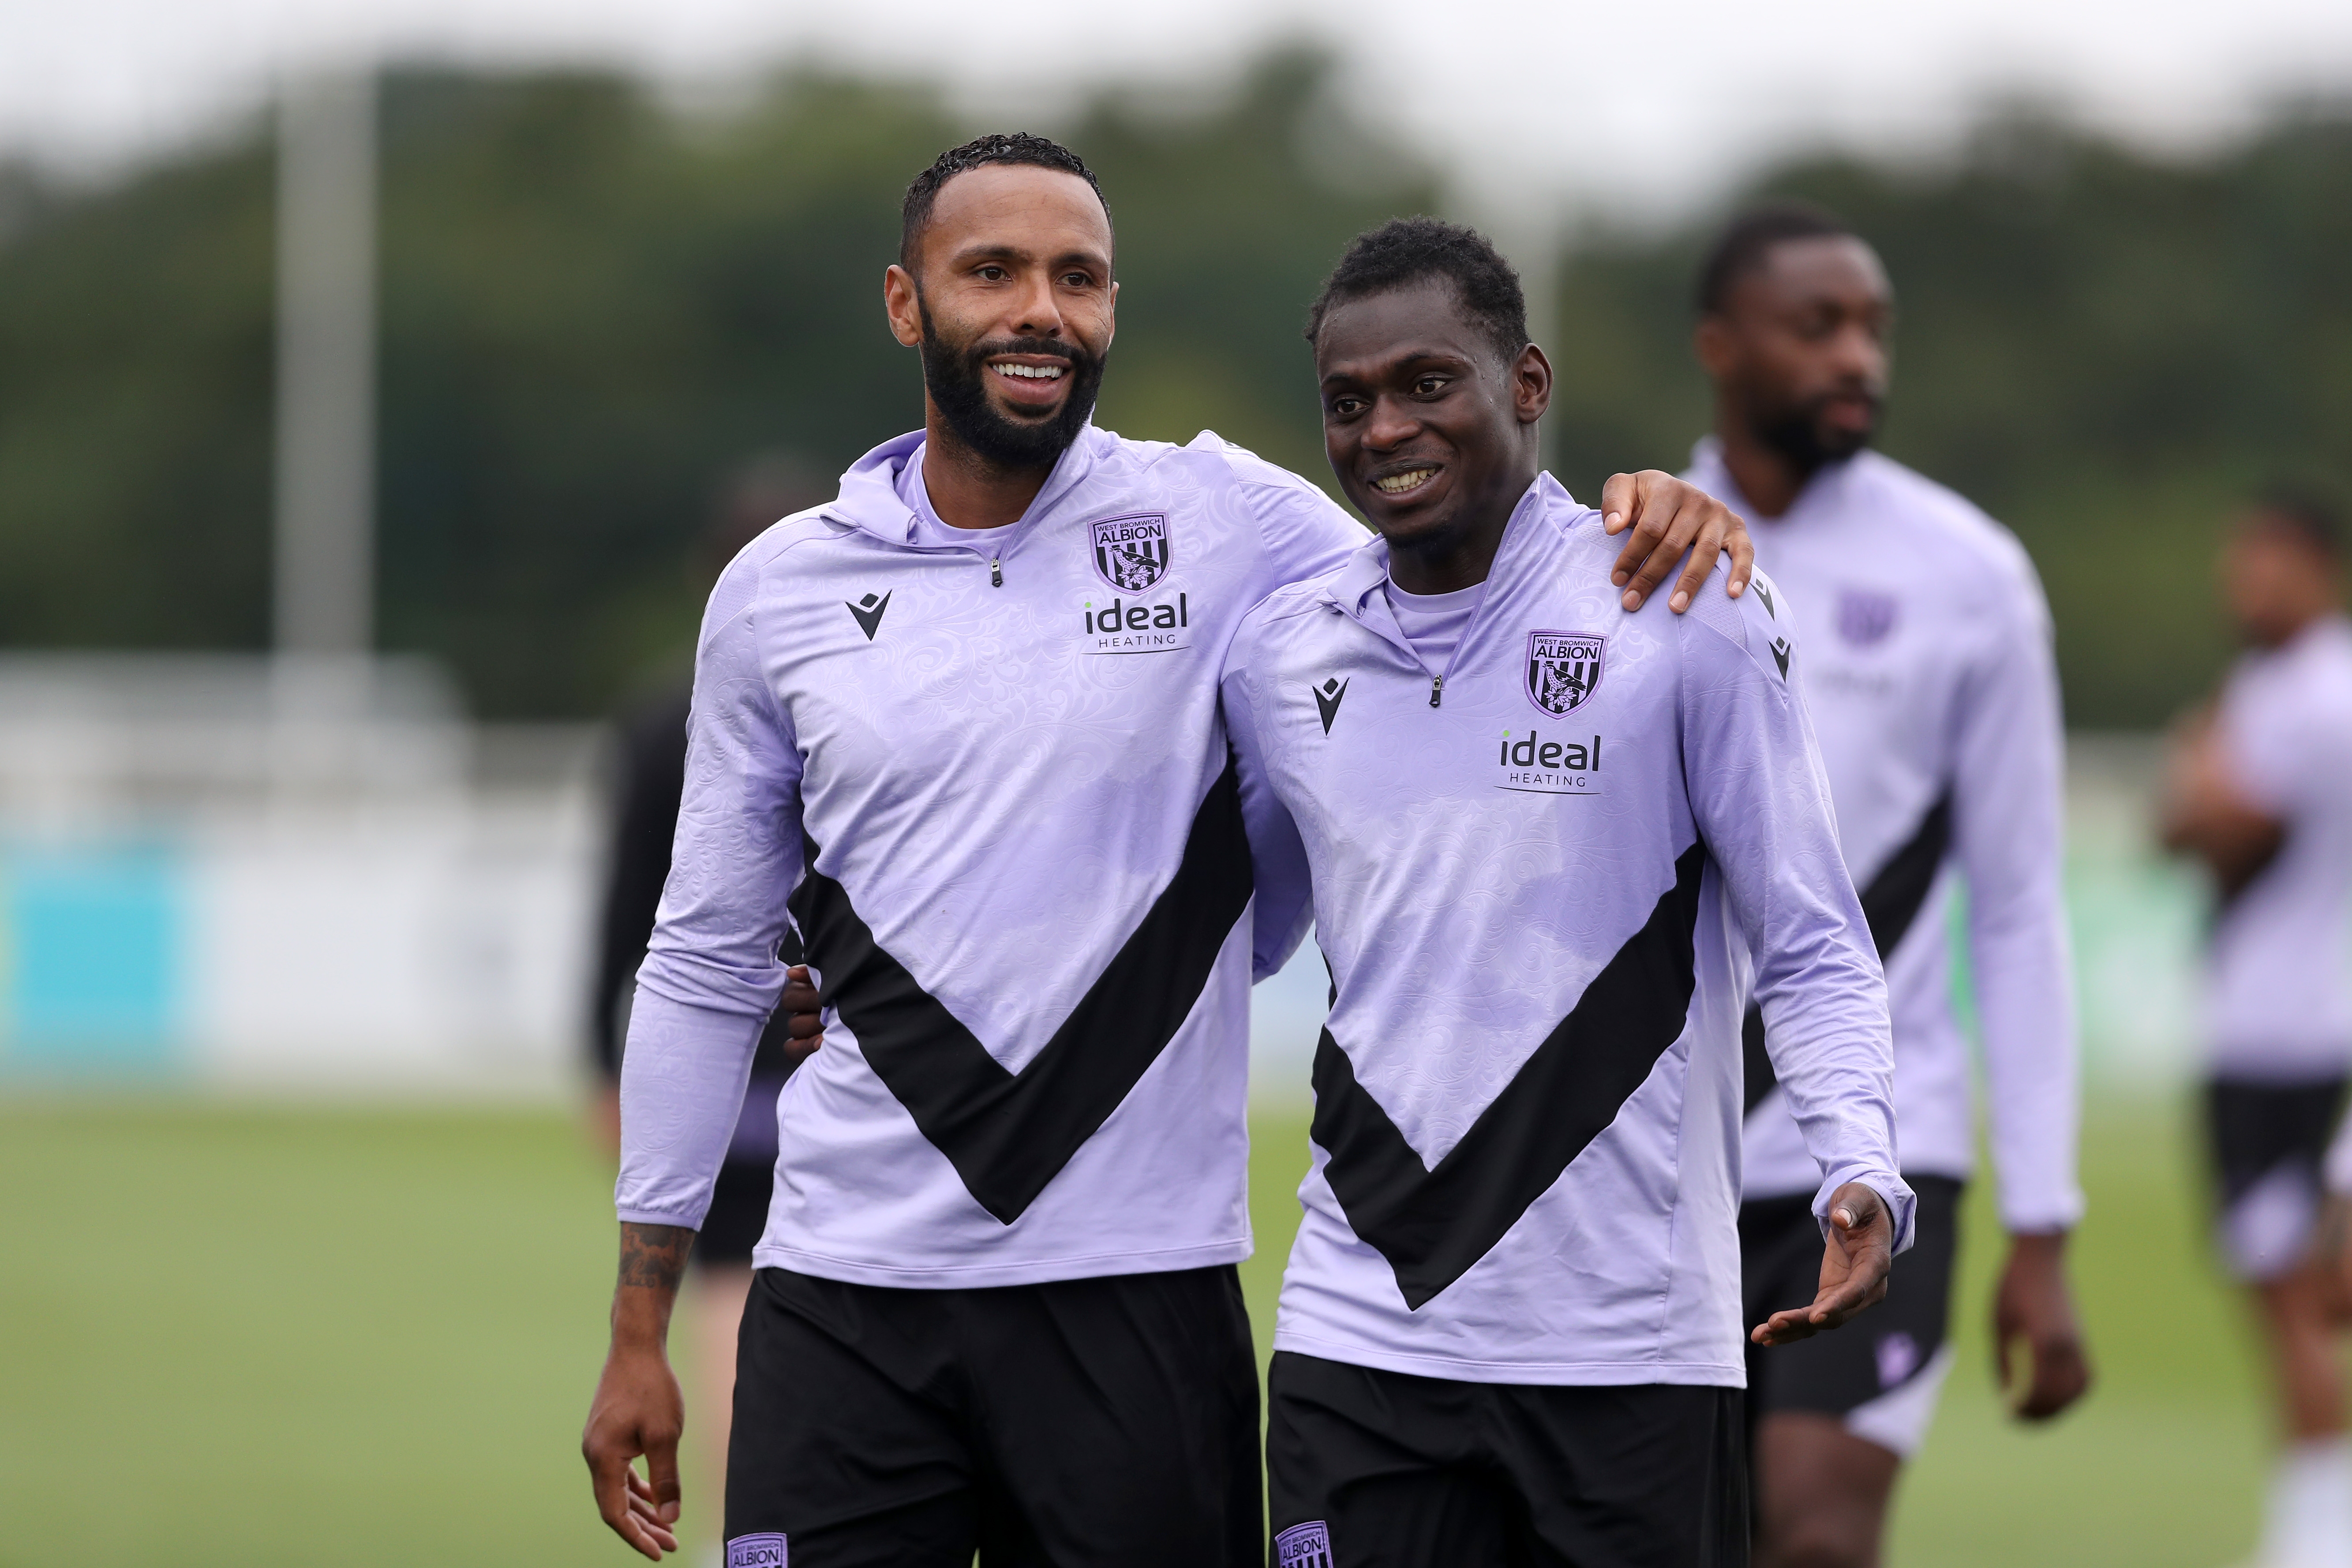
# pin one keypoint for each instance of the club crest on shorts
(1130, 552)
(1864, 617)
(757, 1551)
(1305, 1545)
(1563, 669)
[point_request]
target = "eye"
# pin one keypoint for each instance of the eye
(989, 272)
(1345, 407)
(1430, 386)
(1076, 280)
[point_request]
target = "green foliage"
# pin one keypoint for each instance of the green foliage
(595, 309)
(2102, 351)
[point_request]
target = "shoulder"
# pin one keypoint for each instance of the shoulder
(1753, 630)
(766, 560)
(1973, 560)
(1283, 617)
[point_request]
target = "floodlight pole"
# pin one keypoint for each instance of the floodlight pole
(323, 588)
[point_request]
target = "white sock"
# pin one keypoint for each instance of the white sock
(2309, 1522)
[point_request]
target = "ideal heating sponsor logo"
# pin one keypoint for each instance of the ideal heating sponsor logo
(1534, 763)
(1122, 627)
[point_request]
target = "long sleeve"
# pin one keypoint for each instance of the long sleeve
(1760, 798)
(713, 973)
(2007, 797)
(1282, 904)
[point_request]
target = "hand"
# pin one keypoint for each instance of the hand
(638, 1410)
(2034, 1304)
(804, 1017)
(1854, 1264)
(1668, 517)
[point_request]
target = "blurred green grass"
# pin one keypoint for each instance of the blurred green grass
(246, 1335)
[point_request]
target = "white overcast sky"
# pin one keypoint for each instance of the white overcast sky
(1629, 105)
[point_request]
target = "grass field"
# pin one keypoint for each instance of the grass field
(264, 1336)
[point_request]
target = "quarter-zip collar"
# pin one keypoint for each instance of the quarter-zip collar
(870, 503)
(1354, 590)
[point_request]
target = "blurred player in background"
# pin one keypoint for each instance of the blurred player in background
(1511, 1326)
(2260, 790)
(955, 729)
(1934, 691)
(648, 768)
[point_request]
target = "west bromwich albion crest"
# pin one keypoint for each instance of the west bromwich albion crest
(1131, 553)
(1563, 669)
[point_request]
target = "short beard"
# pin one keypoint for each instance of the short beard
(955, 378)
(1795, 433)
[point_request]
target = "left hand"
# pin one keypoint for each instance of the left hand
(1854, 1265)
(1669, 517)
(2033, 1305)
(806, 1015)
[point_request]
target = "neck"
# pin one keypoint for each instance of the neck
(1460, 557)
(1768, 480)
(968, 490)
(2280, 633)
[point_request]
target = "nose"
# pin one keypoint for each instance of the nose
(1035, 312)
(1861, 355)
(1392, 422)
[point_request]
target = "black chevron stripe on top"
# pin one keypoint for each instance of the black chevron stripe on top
(1889, 906)
(1008, 1134)
(1433, 1224)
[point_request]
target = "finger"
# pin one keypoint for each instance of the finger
(1743, 562)
(1786, 1328)
(1660, 560)
(607, 1470)
(1617, 504)
(804, 1025)
(1705, 548)
(661, 1469)
(1649, 525)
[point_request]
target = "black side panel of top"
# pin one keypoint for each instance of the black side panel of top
(1008, 1134)
(1433, 1224)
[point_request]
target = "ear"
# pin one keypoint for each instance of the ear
(1530, 384)
(903, 304)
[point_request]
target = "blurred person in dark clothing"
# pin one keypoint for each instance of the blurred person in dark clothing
(2260, 790)
(648, 774)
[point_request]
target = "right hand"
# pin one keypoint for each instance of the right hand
(637, 1411)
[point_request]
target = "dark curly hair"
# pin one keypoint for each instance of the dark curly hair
(1748, 240)
(1016, 147)
(1408, 250)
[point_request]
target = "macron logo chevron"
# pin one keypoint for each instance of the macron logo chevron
(869, 612)
(1326, 700)
(1780, 655)
(1764, 593)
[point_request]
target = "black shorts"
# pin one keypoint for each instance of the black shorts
(1077, 1423)
(1382, 1469)
(1895, 1345)
(2269, 1146)
(738, 1213)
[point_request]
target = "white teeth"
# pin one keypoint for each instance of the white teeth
(1030, 371)
(1397, 484)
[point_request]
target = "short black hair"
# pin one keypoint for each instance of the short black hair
(2310, 511)
(1747, 242)
(1408, 250)
(1000, 147)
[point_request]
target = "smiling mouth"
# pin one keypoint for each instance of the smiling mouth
(1029, 372)
(1405, 483)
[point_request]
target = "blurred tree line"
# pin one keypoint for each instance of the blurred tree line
(595, 307)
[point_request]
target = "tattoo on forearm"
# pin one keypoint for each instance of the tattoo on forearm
(654, 1255)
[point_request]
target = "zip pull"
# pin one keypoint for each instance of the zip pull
(1436, 690)
(996, 573)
